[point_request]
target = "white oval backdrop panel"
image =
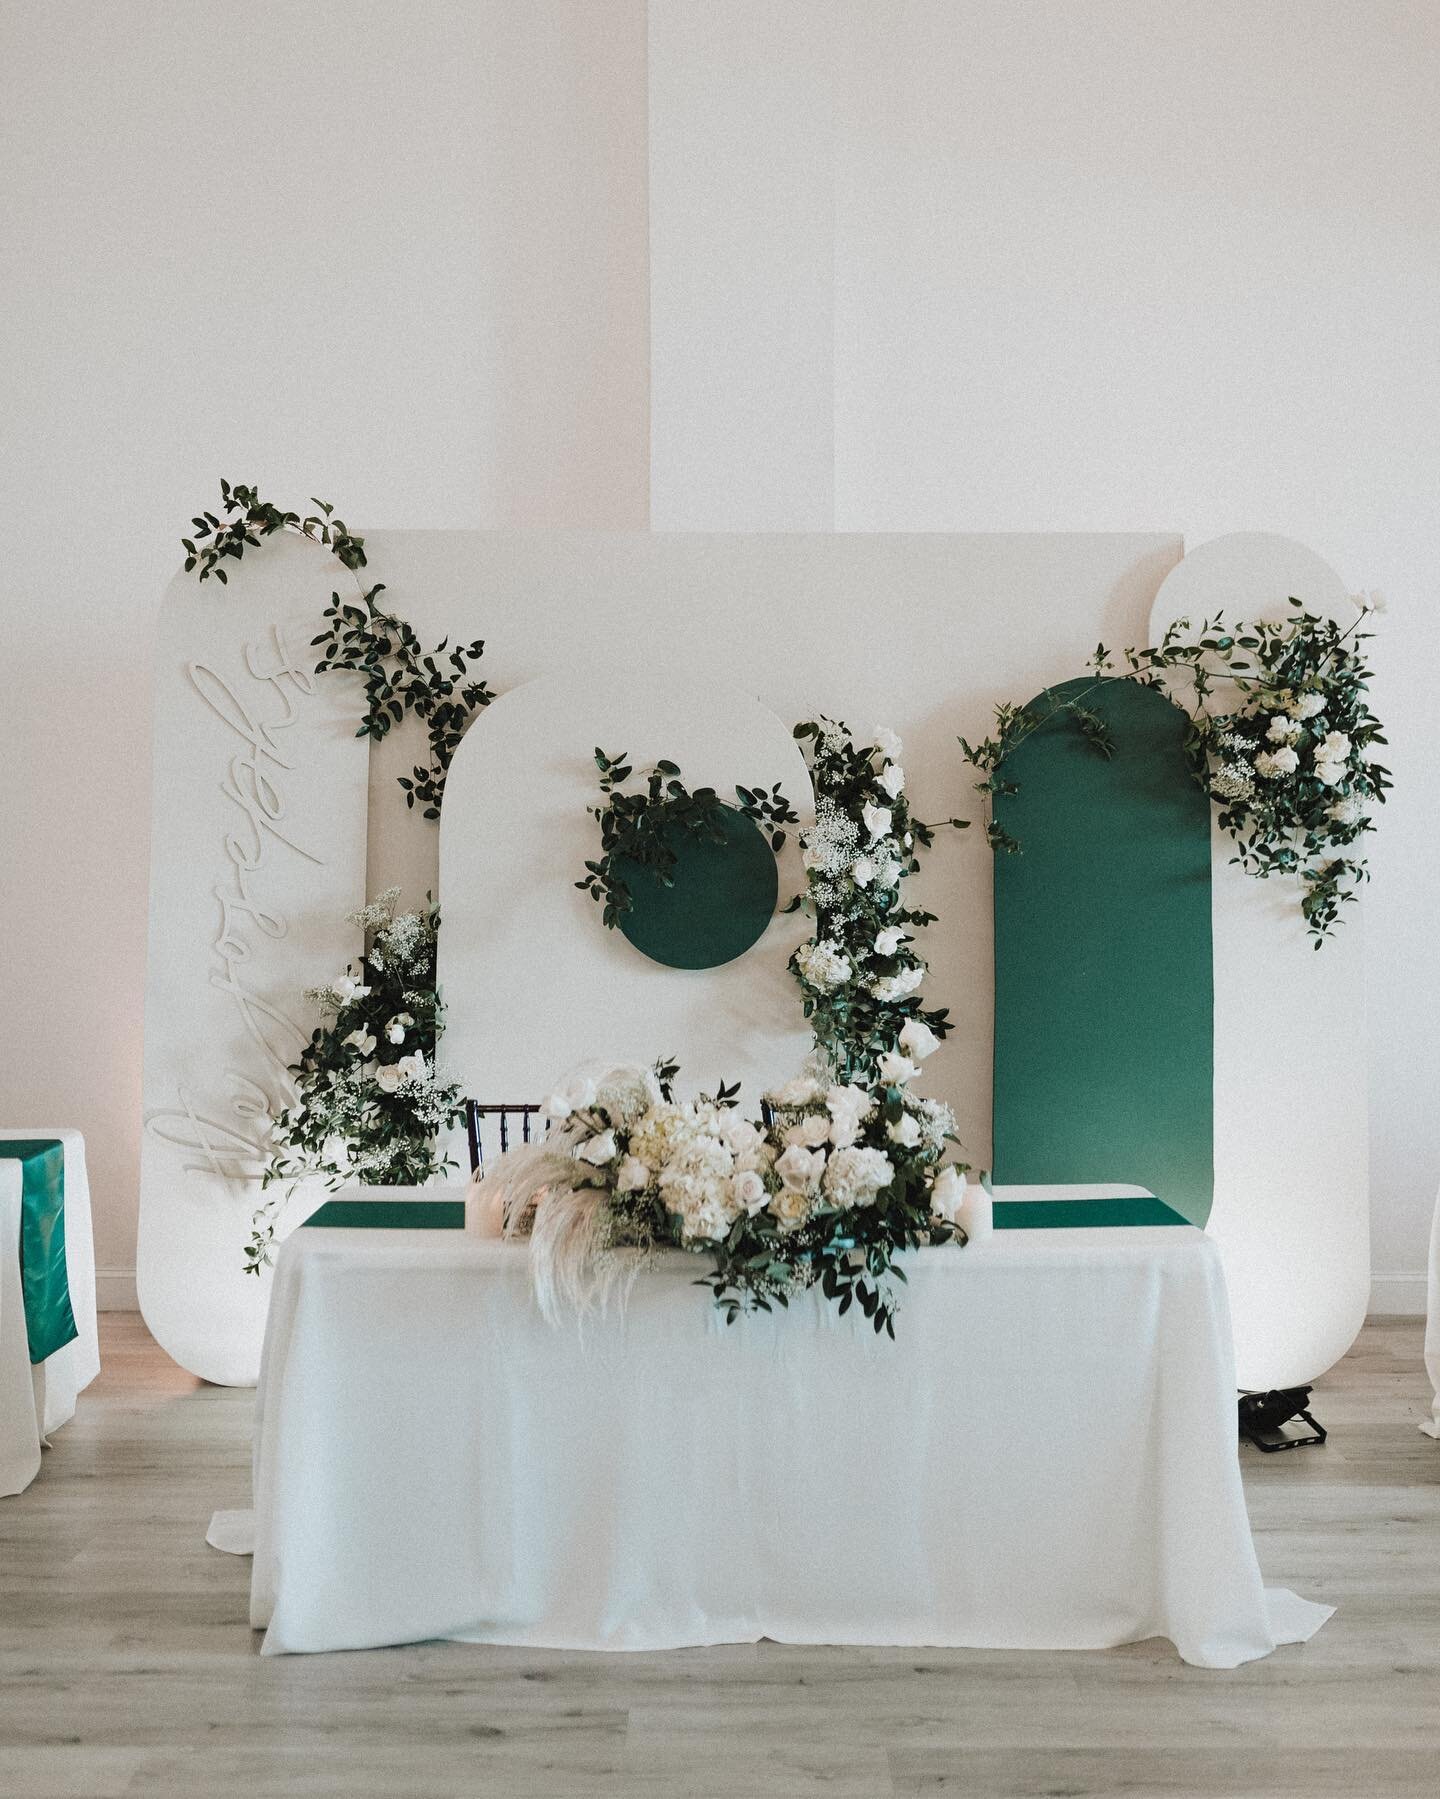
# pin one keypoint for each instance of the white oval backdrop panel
(257, 854)
(533, 983)
(1292, 1205)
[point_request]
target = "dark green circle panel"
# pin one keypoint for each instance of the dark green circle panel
(722, 899)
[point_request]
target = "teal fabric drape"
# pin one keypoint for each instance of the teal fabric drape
(392, 1214)
(44, 1279)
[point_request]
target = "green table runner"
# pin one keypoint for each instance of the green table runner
(1082, 1214)
(44, 1280)
(392, 1214)
(1010, 1214)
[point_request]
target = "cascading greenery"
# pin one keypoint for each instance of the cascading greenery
(1285, 758)
(861, 973)
(361, 636)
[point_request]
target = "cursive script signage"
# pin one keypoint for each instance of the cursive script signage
(257, 855)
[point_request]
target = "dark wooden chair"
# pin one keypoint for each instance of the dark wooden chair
(505, 1113)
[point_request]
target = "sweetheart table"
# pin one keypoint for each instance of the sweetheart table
(1044, 1458)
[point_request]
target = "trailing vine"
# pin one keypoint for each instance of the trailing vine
(1287, 768)
(437, 686)
(640, 828)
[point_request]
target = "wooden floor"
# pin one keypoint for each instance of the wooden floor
(127, 1665)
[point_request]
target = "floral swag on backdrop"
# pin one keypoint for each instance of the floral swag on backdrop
(1286, 763)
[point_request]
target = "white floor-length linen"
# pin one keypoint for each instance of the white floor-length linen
(1044, 1458)
(36, 1400)
(1431, 1426)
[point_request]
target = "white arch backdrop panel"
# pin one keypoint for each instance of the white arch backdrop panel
(258, 852)
(1292, 1203)
(534, 983)
(921, 632)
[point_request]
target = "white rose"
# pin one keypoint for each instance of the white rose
(348, 988)
(888, 940)
(1330, 774)
(877, 819)
(1335, 748)
(362, 1041)
(813, 858)
(947, 1195)
(896, 1069)
(599, 1149)
(810, 1132)
(918, 1040)
(905, 1131)
(790, 1208)
(1307, 705)
(799, 1092)
(412, 1067)
(747, 1190)
(1282, 729)
(892, 779)
(739, 1135)
(389, 1076)
(577, 1097)
(1276, 762)
(394, 1031)
(888, 744)
(800, 1169)
(633, 1177)
(862, 871)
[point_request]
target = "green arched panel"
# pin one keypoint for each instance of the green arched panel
(1104, 1006)
(722, 899)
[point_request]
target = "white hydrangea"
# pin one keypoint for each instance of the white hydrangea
(893, 987)
(1306, 705)
(855, 1177)
(823, 965)
(802, 1091)
(1349, 810)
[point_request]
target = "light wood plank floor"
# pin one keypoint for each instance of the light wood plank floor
(127, 1666)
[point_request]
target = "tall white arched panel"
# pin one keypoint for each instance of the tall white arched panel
(257, 854)
(533, 983)
(1292, 1209)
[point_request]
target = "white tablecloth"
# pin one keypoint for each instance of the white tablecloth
(34, 1401)
(1045, 1458)
(1432, 1326)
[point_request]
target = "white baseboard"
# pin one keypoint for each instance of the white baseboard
(1399, 1293)
(115, 1290)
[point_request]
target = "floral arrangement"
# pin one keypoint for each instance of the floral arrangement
(860, 973)
(1286, 761)
(639, 829)
(824, 1190)
(369, 1102)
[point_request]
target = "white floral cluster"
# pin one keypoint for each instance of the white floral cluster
(1290, 742)
(825, 1148)
(860, 972)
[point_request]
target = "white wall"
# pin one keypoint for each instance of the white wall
(391, 255)
(1117, 264)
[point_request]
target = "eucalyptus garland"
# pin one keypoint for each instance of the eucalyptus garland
(861, 973)
(361, 637)
(640, 828)
(1288, 767)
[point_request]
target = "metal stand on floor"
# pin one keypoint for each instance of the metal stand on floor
(1279, 1420)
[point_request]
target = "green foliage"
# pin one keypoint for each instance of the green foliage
(640, 828)
(248, 518)
(368, 1101)
(1286, 761)
(436, 686)
(400, 676)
